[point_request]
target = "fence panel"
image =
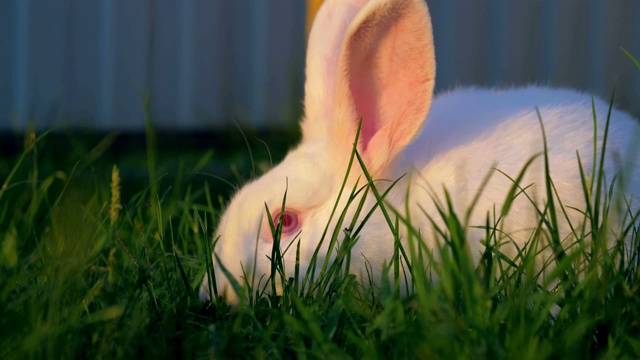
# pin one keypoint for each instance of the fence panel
(212, 63)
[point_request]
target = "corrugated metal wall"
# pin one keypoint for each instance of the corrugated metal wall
(210, 63)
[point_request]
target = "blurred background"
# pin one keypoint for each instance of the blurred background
(207, 65)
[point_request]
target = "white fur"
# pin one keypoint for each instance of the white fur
(375, 59)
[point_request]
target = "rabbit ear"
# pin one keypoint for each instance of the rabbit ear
(323, 54)
(372, 60)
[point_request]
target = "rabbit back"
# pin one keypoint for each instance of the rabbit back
(472, 133)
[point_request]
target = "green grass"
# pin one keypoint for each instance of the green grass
(82, 277)
(75, 284)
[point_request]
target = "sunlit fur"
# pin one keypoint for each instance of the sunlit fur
(375, 59)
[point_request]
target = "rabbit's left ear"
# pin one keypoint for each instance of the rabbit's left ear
(385, 75)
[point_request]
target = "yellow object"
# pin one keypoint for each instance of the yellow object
(312, 9)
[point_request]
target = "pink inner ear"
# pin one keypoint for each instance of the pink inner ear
(363, 77)
(389, 71)
(380, 76)
(385, 75)
(362, 90)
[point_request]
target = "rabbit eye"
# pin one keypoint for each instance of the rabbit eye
(290, 221)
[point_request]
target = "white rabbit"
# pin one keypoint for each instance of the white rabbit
(374, 60)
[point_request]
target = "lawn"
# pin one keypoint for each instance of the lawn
(103, 249)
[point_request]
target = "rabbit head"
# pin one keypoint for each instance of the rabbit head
(370, 61)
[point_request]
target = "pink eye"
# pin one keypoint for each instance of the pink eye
(290, 221)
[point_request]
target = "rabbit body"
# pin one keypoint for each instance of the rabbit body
(374, 60)
(472, 132)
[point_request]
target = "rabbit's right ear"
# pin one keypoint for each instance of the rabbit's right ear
(372, 60)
